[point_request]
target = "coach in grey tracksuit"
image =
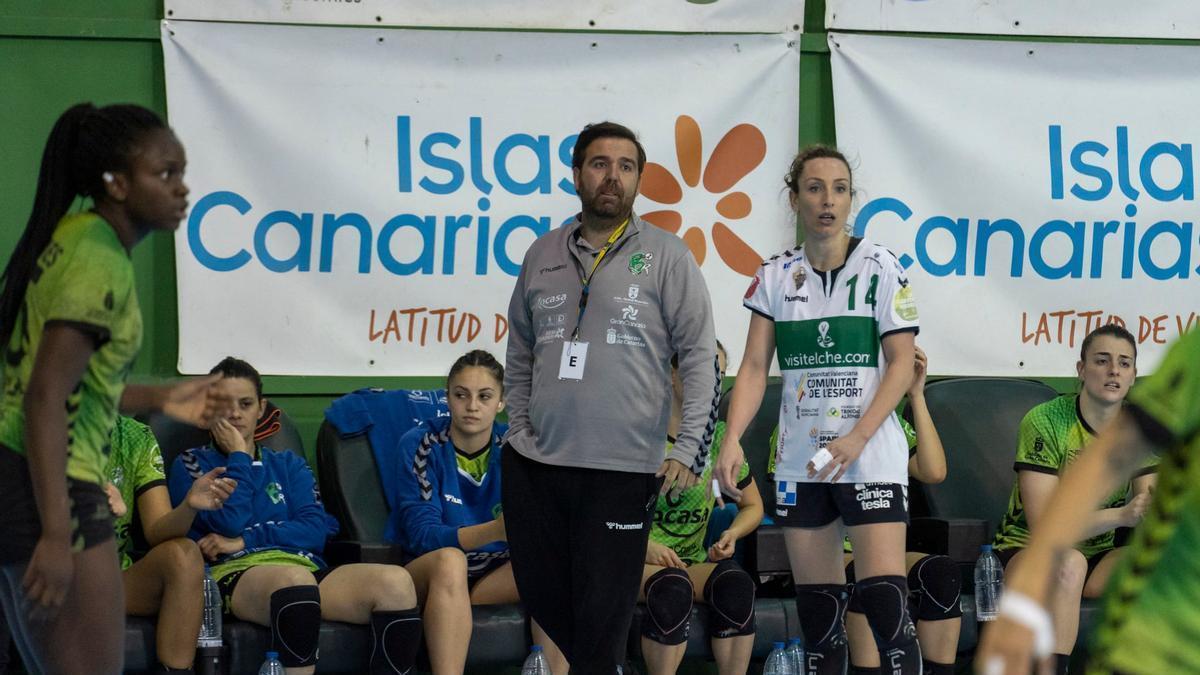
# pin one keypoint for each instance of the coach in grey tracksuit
(588, 390)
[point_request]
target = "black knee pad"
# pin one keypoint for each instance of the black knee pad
(821, 609)
(885, 602)
(729, 593)
(296, 625)
(668, 606)
(396, 637)
(855, 604)
(937, 583)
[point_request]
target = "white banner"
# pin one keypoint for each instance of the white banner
(689, 16)
(361, 205)
(1179, 19)
(1035, 191)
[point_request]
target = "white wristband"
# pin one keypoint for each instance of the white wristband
(1025, 611)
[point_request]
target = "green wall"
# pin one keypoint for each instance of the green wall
(54, 53)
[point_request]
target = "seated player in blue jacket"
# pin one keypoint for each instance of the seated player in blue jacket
(266, 539)
(448, 516)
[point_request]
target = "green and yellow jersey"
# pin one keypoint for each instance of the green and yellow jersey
(135, 466)
(84, 279)
(1050, 437)
(681, 523)
(473, 465)
(1152, 606)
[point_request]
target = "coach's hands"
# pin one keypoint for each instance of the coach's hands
(676, 477)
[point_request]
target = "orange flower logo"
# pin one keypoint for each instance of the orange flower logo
(738, 153)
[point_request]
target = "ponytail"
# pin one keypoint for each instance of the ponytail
(85, 142)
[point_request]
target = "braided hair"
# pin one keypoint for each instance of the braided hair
(85, 143)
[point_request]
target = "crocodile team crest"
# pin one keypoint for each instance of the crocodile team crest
(639, 263)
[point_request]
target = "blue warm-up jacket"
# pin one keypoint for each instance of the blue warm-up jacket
(275, 506)
(435, 498)
(385, 416)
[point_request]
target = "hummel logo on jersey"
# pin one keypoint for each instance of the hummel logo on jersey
(452, 499)
(420, 396)
(624, 526)
(795, 298)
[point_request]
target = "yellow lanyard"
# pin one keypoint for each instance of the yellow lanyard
(587, 281)
(612, 239)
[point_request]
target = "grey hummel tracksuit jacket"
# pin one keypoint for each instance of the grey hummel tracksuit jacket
(647, 302)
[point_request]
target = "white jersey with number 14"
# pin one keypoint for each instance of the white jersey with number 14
(829, 344)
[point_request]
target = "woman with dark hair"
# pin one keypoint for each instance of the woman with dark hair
(266, 540)
(840, 312)
(1051, 436)
(71, 326)
(448, 517)
(1148, 621)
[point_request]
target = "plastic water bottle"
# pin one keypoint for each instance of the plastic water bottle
(209, 651)
(210, 629)
(778, 661)
(535, 663)
(271, 666)
(795, 652)
(989, 580)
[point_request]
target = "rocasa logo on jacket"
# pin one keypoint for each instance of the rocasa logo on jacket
(739, 152)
